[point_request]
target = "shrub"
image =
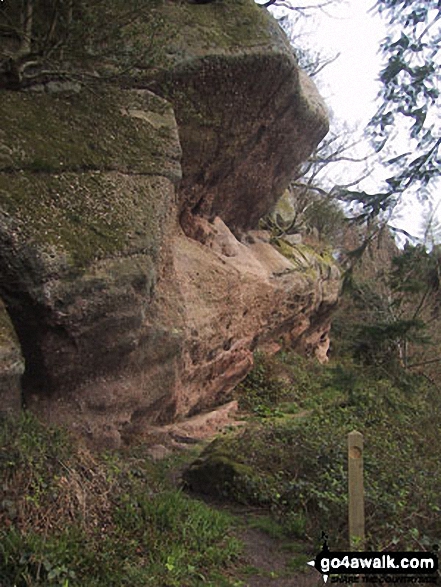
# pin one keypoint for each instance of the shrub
(299, 461)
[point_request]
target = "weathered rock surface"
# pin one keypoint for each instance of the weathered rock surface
(247, 114)
(189, 431)
(87, 195)
(237, 297)
(126, 316)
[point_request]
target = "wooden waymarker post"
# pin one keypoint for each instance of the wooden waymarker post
(356, 491)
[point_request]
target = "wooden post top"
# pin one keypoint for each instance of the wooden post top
(355, 444)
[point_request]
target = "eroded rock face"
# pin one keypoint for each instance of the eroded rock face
(87, 197)
(247, 114)
(128, 264)
(242, 296)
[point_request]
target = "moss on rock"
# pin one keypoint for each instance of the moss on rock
(86, 177)
(87, 131)
(87, 195)
(79, 218)
(217, 472)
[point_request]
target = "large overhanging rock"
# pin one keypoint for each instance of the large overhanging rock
(247, 114)
(122, 317)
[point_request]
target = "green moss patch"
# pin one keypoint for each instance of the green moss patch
(86, 216)
(218, 473)
(87, 131)
(87, 176)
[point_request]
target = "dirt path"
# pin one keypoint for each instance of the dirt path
(265, 561)
(271, 563)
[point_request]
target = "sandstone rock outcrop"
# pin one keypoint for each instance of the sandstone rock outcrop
(247, 114)
(237, 297)
(129, 266)
(87, 197)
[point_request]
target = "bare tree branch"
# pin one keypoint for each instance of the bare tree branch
(284, 4)
(324, 64)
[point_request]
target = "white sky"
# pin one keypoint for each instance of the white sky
(349, 85)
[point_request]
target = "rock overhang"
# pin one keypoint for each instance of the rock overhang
(247, 114)
(129, 321)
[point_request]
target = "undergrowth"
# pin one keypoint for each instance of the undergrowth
(297, 449)
(68, 518)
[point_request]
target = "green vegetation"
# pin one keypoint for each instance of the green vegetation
(296, 449)
(90, 131)
(319, 218)
(71, 181)
(68, 518)
(306, 259)
(389, 312)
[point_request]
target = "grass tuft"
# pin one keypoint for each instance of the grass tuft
(69, 518)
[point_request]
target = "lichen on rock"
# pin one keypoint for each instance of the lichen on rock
(129, 266)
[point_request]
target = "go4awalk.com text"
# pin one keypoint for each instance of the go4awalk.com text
(377, 567)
